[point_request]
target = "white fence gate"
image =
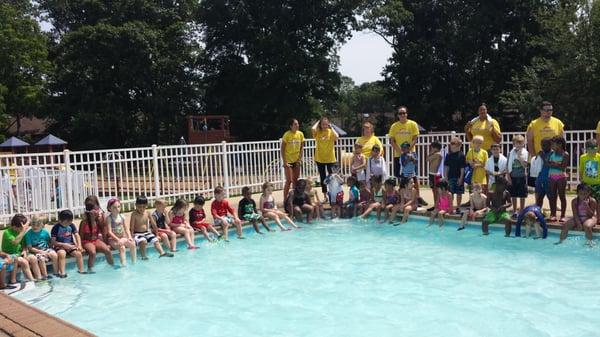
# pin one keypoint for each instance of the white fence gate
(37, 183)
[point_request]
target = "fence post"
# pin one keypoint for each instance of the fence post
(281, 168)
(69, 191)
(155, 169)
(225, 168)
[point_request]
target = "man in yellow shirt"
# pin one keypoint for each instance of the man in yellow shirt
(543, 127)
(404, 130)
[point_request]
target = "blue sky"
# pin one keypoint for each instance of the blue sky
(363, 57)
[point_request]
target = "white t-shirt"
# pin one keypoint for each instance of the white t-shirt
(489, 166)
(334, 184)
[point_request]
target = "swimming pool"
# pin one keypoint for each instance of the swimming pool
(343, 278)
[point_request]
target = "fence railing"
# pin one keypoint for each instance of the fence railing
(45, 183)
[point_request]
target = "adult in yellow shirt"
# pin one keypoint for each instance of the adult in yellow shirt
(368, 139)
(543, 127)
(404, 130)
(598, 133)
(484, 126)
(292, 144)
(325, 137)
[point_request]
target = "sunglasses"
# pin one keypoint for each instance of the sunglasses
(402, 113)
(549, 110)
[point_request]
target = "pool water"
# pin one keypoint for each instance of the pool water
(343, 278)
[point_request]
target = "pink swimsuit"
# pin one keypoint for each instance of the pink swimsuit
(444, 203)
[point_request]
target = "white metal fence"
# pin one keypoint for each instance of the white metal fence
(44, 183)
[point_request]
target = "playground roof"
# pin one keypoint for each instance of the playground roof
(14, 142)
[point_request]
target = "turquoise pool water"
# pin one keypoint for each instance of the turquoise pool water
(344, 278)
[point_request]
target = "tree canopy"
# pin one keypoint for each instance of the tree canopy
(127, 72)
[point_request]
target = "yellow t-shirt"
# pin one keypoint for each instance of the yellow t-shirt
(293, 143)
(368, 143)
(482, 128)
(598, 128)
(479, 174)
(589, 166)
(325, 140)
(403, 132)
(541, 129)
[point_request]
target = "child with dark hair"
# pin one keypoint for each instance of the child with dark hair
(140, 224)
(391, 199)
(558, 161)
(198, 219)
(517, 173)
(65, 240)
(299, 202)
(269, 209)
(89, 230)
(179, 224)
(498, 202)
(12, 244)
(247, 211)
(454, 170)
(364, 196)
(589, 170)
(351, 206)
(542, 183)
(443, 205)
(584, 207)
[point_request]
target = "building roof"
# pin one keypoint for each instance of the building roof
(51, 140)
(14, 142)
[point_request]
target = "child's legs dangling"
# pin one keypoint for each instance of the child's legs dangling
(552, 196)
(562, 186)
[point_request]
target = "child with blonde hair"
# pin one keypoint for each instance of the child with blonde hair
(269, 209)
(359, 163)
(37, 242)
(318, 211)
(376, 198)
(517, 172)
(119, 236)
(163, 232)
(476, 158)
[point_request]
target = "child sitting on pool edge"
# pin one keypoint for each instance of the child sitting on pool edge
(179, 224)
(224, 215)
(163, 232)
(351, 206)
(498, 201)
(443, 205)
(139, 226)
(269, 209)
(299, 202)
(37, 242)
(335, 193)
(247, 211)
(65, 240)
(477, 206)
(119, 235)
(198, 219)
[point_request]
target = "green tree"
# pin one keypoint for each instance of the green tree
(127, 71)
(455, 54)
(24, 67)
(567, 71)
(267, 61)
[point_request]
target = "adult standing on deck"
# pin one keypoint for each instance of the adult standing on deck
(485, 126)
(368, 139)
(325, 137)
(543, 127)
(292, 144)
(403, 130)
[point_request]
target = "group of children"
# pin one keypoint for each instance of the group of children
(497, 184)
(28, 246)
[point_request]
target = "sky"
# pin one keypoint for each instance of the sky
(363, 57)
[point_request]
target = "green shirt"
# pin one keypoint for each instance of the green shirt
(7, 246)
(589, 166)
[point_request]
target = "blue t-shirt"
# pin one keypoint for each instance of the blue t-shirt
(39, 240)
(64, 234)
(354, 194)
(409, 167)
